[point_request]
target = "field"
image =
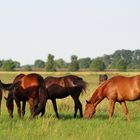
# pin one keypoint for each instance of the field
(68, 128)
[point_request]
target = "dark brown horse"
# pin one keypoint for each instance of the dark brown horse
(31, 89)
(117, 89)
(61, 87)
(102, 78)
(2, 87)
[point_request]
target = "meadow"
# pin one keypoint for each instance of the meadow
(67, 127)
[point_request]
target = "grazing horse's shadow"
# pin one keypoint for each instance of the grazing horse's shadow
(61, 117)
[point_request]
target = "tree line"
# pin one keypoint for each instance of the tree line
(120, 60)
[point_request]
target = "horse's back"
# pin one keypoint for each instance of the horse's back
(32, 80)
(123, 88)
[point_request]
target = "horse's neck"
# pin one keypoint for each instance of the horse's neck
(97, 97)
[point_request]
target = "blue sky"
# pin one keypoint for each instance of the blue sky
(31, 29)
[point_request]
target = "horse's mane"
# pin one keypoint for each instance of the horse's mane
(100, 88)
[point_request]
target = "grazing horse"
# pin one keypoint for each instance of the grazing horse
(31, 89)
(117, 89)
(102, 78)
(61, 87)
(2, 86)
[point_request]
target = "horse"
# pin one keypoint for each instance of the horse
(117, 89)
(102, 78)
(0, 99)
(1, 88)
(61, 87)
(31, 89)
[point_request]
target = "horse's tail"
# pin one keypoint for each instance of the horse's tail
(42, 100)
(82, 84)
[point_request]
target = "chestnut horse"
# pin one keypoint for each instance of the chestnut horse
(31, 89)
(117, 89)
(61, 87)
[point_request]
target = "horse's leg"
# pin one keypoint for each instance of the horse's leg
(125, 110)
(31, 107)
(77, 106)
(18, 107)
(55, 107)
(23, 108)
(111, 110)
(43, 111)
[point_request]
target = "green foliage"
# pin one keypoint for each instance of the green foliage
(74, 65)
(84, 62)
(107, 60)
(60, 63)
(50, 64)
(8, 65)
(97, 65)
(27, 68)
(39, 63)
(121, 65)
(17, 64)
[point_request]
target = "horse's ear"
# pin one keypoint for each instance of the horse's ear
(88, 102)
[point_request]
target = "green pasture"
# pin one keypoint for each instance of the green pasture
(67, 128)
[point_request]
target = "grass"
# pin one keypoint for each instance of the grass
(68, 128)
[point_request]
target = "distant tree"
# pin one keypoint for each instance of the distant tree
(39, 63)
(60, 63)
(107, 60)
(84, 62)
(8, 65)
(27, 68)
(97, 65)
(121, 65)
(50, 64)
(17, 64)
(74, 65)
(1, 61)
(125, 55)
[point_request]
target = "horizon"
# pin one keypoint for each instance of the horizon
(30, 30)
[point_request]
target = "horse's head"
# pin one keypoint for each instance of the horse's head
(9, 99)
(9, 103)
(89, 110)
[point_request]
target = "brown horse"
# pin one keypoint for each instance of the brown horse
(31, 89)
(117, 89)
(61, 87)
(2, 87)
(102, 78)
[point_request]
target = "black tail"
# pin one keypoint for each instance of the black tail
(82, 84)
(42, 100)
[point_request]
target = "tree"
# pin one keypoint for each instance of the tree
(8, 65)
(39, 64)
(17, 64)
(28, 68)
(50, 64)
(84, 62)
(121, 65)
(60, 63)
(107, 60)
(97, 65)
(74, 65)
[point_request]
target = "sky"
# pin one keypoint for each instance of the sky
(32, 29)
